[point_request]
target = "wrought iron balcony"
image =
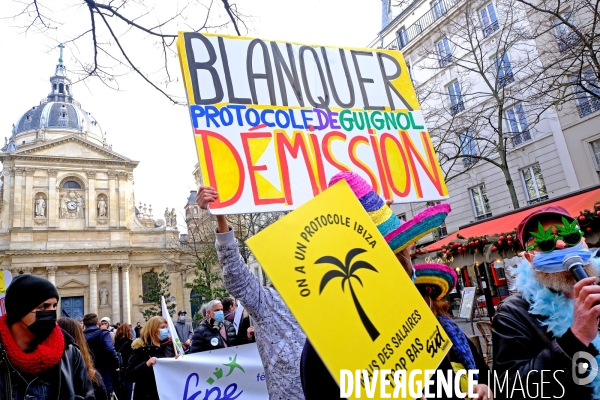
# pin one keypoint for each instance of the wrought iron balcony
(538, 200)
(491, 28)
(438, 10)
(567, 41)
(520, 137)
(506, 79)
(457, 107)
(447, 59)
(483, 216)
(469, 161)
(588, 107)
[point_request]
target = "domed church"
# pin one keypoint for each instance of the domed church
(67, 212)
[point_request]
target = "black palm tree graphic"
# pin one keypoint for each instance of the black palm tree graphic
(347, 272)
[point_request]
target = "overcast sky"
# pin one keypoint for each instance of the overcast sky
(142, 124)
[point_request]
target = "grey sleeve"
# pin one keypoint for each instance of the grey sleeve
(239, 281)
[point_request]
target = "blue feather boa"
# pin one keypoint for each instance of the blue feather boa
(557, 308)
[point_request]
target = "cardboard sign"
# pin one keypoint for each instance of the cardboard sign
(328, 251)
(467, 303)
(274, 121)
(230, 373)
(5, 280)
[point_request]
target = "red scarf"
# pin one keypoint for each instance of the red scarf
(46, 355)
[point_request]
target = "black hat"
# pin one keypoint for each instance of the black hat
(182, 312)
(25, 293)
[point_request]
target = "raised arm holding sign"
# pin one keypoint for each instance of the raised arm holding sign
(278, 336)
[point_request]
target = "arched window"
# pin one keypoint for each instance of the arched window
(71, 185)
(150, 287)
(61, 88)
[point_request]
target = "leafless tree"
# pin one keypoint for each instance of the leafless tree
(567, 36)
(478, 87)
(111, 38)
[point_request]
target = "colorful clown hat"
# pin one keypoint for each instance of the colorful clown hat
(440, 277)
(397, 234)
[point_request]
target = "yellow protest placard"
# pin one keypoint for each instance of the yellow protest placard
(329, 252)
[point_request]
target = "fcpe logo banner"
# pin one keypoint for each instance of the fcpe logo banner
(230, 373)
(274, 121)
(330, 252)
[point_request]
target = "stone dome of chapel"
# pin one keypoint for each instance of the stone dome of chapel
(57, 115)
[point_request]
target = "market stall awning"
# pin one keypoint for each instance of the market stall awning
(573, 203)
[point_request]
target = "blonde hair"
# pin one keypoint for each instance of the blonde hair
(149, 333)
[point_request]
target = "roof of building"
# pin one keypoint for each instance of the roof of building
(57, 111)
(192, 198)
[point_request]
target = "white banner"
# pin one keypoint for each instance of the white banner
(172, 331)
(230, 373)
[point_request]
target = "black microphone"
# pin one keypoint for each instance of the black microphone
(574, 264)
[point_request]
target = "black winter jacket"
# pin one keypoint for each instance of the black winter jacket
(208, 337)
(522, 345)
(71, 375)
(140, 373)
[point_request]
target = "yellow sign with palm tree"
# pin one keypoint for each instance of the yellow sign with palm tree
(384, 323)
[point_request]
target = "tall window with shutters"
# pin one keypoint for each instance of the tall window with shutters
(518, 126)
(533, 182)
(489, 21)
(587, 92)
(504, 71)
(444, 52)
(456, 100)
(467, 148)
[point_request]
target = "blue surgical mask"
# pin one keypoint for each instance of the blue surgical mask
(182, 318)
(551, 261)
(414, 274)
(163, 334)
(219, 316)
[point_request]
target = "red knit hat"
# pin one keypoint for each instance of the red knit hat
(525, 225)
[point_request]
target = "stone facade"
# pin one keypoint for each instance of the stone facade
(67, 214)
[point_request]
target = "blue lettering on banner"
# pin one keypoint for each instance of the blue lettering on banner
(229, 393)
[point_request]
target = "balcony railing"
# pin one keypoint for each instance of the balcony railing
(447, 59)
(590, 106)
(483, 216)
(520, 137)
(538, 200)
(469, 161)
(457, 107)
(567, 41)
(439, 9)
(491, 28)
(506, 79)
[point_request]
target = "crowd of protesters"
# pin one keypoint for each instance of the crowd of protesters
(550, 319)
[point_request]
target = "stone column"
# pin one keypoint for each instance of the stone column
(113, 201)
(28, 214)
(115, 293)
(94, 288)
(51, 270)
(53, 203)
(18, 197)
(91, 213)
(126, 294)
(122, 185)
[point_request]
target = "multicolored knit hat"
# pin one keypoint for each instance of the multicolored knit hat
(398, 235)
(440, 276)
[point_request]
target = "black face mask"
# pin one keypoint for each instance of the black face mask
(45, 322)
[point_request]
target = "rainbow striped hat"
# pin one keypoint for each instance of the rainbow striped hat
(397, 234)
(439, 276)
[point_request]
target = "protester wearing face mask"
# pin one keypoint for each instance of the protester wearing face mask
(184, 330)
(552, 317)
(154, 342)
(38, 359)
(214, 332)
(434, 281)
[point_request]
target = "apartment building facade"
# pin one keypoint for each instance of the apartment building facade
(475, 70)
